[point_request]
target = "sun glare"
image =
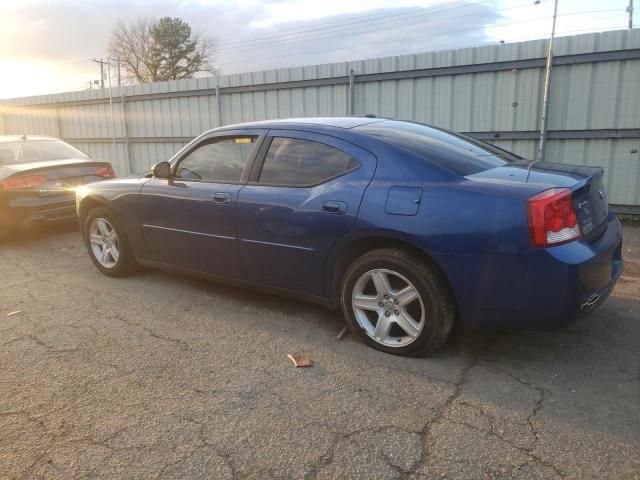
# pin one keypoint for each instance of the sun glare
(26, 76)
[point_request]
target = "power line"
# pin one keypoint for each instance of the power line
(308, 29)
(387, 41)
(330, 24)
(621, 16)
(421, 21)
(102, 63)
(415, 18)
(524, 38)
(84, 60)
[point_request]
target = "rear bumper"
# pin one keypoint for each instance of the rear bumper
(30, 210)
(542, 288)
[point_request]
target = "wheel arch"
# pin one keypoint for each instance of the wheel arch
(86, 205)
(352, 248)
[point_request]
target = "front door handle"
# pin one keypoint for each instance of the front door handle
(221, 198)
(337, 208)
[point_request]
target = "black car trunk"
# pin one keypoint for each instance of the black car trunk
(53, 178)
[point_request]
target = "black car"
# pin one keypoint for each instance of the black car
(38, 177)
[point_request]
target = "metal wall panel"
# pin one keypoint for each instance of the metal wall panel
(477, 95)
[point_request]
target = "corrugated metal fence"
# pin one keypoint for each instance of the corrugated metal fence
(492, 92)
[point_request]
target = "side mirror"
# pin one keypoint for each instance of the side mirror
(161, 170)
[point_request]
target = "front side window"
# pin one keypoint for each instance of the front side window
(219, 160)
(294, 162)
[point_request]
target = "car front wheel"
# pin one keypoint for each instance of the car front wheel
(107, 243)
(398, 303)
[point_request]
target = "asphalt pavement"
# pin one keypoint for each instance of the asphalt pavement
(162, 376)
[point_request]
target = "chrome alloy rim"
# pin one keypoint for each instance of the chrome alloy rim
(388, 307)
(104, 242)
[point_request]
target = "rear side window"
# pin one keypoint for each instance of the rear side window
(297, 163)
(452, 151)
(219, 160)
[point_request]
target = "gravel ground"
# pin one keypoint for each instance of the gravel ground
(160, 376)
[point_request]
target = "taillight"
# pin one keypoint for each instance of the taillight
(106, 172)
(22, 182)
(552, 218)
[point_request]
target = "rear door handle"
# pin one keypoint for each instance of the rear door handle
(337, 208)
(221, 198)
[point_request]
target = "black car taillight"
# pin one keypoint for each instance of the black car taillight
(22, 182)
(106, 172)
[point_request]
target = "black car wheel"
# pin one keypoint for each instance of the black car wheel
(107, 243)
(397, 303)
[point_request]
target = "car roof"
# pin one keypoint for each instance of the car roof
(23, 138)
(337, 122)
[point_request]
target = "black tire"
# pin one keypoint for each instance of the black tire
(438, 307)
(126, 263)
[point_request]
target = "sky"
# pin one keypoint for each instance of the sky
(46, 46)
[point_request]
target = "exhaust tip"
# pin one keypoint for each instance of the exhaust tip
(591, 302)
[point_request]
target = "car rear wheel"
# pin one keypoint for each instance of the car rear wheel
(107, 244)
(397, 303)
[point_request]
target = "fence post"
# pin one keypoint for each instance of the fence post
(125, 129)
(351, 108)
(59, 123)
(218, 103)
(3, 120)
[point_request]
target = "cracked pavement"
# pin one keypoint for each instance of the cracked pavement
(161, 376)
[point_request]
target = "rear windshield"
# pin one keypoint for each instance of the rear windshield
(458, 153)
(37, 151)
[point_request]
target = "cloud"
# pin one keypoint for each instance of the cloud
(252, 35)
(374, 33)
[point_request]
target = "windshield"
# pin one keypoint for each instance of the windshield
(456, 152)
(37, 151)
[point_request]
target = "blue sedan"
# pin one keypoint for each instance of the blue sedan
(407, 228)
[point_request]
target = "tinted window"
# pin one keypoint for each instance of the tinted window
(452, 151)
(217, 161)
(295, 162)
(9, 153)
(37, 151)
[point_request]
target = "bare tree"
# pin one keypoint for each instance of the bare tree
(160, 50)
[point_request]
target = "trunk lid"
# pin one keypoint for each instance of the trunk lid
(586, 183)
(59, 175)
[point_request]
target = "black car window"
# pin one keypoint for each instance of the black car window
(9, 153)
(218, 160)
(452, 151)
(40, 150)
(37, 151)
(295, 162)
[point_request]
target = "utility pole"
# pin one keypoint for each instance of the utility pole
(102, 63)
(630, 10)
(547, 86)
(119, 82)
(113, 125)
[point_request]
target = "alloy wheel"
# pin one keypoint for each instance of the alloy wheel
(388, 307)
(104, 242)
